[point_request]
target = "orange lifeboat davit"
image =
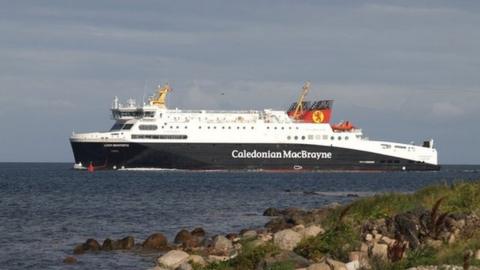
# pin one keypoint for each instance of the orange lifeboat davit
(343, 126)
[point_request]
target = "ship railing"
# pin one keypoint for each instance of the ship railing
(215, 111)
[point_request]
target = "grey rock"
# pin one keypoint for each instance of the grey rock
(221, 245)
(173, 259)
(287, 239)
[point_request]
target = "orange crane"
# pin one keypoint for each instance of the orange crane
(299, 109)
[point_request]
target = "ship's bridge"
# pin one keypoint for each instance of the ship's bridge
(131, 110)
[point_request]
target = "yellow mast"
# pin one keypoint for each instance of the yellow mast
(299, 109)
(159, 99)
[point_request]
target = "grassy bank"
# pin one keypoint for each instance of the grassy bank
(345, 229)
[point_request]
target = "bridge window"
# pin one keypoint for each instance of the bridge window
(117, 126)
(127, 126)
(149, 114)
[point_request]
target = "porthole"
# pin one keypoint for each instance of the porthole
(214, 127)
(332, 138)
(199, 127)
(244, 127)
(303, 137)
(339, 138)
(296, 137)
(252, 127)
(288, 137)
(275, 127)
(346, 138)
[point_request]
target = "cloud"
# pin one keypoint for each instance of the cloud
(446, 110)
(414, 62)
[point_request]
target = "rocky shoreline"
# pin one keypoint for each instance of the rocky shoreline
(435, 228)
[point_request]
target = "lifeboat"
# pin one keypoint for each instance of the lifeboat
(343, 126)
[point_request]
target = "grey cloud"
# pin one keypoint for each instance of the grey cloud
(401, 70)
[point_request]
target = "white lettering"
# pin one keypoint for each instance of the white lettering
(303, 154)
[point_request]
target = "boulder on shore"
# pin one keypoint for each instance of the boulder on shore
(221, 245)
(126, 243)
(284, 256)
(318, 266)
(182, 236)
(197, 259)
(108, 245)
(156, 241)
(173, 259)
(312, 231)
(89, 245)
(198, 232)
(287, 239)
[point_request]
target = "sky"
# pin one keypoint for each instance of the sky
(403, 71)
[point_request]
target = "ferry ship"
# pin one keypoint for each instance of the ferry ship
(300, 138)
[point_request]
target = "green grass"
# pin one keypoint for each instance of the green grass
(343, 225)
(336, 242)
(461, 197)
(248, 258)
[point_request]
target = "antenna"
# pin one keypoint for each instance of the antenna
(144, 92)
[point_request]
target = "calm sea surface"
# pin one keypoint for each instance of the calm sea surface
(46, 209)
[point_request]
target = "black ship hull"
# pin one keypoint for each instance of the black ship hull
(211, 156)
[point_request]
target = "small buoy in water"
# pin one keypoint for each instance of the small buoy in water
(90, 167)
(114, 167)
(297, 167)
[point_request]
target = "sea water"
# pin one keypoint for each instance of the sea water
(46, 209)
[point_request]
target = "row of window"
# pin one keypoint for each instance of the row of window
(388, 146)
(390, 161)
(161, 137)
(318, 137)
(398, 161)
(148, 127)
(135, 114)
(155, 127)
(121, 127)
